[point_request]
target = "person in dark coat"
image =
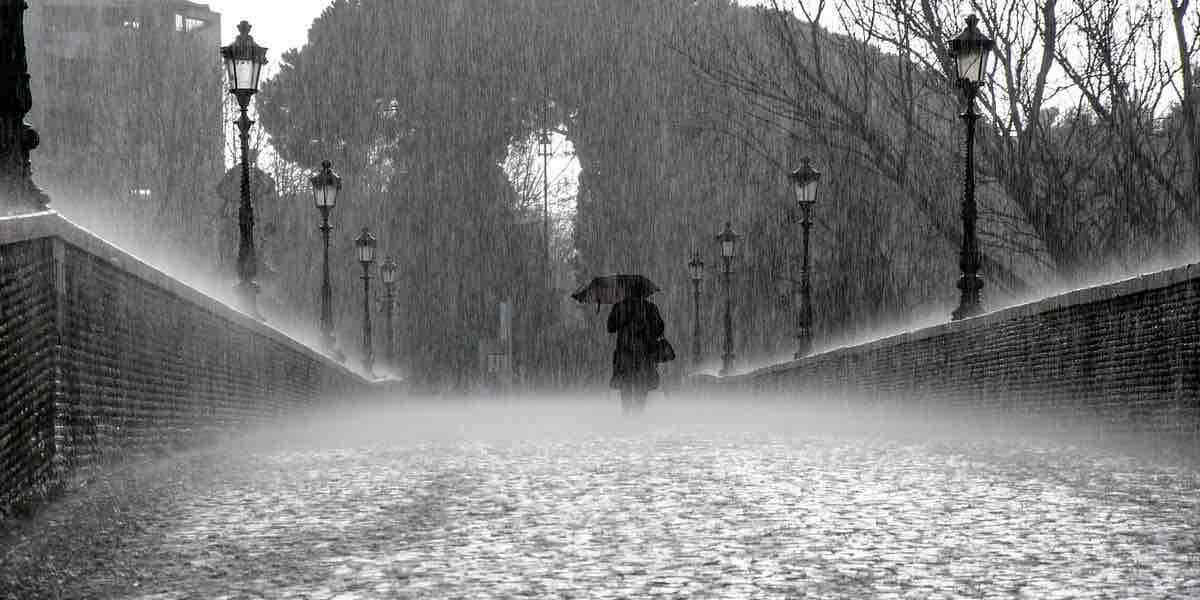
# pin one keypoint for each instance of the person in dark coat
(638, 326)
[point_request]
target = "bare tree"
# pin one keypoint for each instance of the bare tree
(1185, 25)
(1073, 133)
(889, 114)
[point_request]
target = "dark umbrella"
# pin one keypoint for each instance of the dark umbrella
(611, 289)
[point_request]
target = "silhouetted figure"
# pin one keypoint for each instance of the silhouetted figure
(638, 326)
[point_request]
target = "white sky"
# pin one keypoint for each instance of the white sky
(278, 24)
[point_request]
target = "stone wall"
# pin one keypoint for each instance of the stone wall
(27, 368)
(1124, 355)
(102, 355)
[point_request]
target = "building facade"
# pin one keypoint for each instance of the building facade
(128, 97)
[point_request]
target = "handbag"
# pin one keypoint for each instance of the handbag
(663, 351)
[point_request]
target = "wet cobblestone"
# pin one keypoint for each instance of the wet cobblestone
(580, 504)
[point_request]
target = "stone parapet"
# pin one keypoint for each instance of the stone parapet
(103, 355)
(1125, 355)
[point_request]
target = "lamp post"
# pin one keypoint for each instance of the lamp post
(365, 244)
(388, 272)
(18, 193)
(970, 52)
(728, 239)
(696, 271)
(546, 153)
(243, 63)
(804, 184)
(326, 185)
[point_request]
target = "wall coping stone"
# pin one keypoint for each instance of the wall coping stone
(51, 224)
(1097, 293)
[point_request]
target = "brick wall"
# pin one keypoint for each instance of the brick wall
(27, 348)
(101, 355)
(1124, 355)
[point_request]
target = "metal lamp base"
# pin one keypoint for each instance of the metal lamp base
(727, 366)
(247, 292)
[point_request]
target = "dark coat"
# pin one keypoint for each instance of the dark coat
(638, 325)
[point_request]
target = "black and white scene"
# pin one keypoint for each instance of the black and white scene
(599, 299)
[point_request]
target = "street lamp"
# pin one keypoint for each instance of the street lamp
(326, 185)
(696, 271)
(243, 62)
(804, 184)
(388, 272)
(970, 52)
(18, 193)
(728, 239)
(365, 244)
(546, 153)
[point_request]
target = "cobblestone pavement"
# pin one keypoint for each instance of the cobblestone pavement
(572, 501)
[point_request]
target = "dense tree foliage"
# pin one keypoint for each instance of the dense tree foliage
(683, 115)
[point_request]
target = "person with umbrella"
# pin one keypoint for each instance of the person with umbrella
(638, 325)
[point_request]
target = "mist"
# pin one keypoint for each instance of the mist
(721, 495)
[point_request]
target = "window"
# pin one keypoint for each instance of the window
(122, 16)
(186, 24)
